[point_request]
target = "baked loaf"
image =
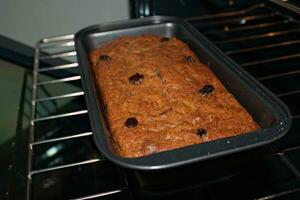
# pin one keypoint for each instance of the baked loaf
(159, 96)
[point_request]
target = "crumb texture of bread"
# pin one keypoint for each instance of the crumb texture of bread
(159, 96)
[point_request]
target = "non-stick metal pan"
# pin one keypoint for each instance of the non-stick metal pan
(266, 109)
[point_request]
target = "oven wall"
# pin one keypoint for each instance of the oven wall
(27, 21)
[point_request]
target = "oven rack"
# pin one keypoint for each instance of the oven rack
(67, 61)
(263, 29)
(53, 55)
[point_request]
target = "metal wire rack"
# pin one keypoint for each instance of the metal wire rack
(47, 49)
(254, 38)
(210, 25)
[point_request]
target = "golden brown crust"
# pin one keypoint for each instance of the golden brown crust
(163, 96)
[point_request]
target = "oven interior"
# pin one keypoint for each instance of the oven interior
(54, 154)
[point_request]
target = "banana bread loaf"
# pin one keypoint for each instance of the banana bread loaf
(159, 96)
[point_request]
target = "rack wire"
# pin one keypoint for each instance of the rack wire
(46, 50)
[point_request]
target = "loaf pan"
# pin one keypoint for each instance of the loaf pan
(267, 110)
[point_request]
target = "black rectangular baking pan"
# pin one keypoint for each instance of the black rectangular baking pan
(267, 110)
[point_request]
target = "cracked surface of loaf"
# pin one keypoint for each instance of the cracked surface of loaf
(159, 96)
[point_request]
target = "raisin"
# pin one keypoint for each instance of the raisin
(136, 78)
(207, 90)
(131, 122)
(104, 58)
(165, 39)
(189, 59)
(201, 132)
